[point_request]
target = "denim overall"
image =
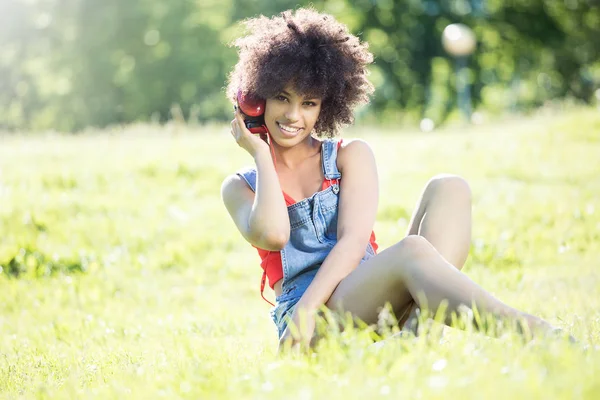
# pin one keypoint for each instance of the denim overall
(313, 223)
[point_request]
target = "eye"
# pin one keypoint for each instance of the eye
(310, 103)
(280, 97)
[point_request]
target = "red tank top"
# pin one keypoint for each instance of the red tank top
(271, 260)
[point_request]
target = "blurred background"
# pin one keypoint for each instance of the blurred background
(70, 64)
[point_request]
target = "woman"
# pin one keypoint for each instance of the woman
(310, 202)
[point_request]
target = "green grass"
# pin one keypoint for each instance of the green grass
(133, 282)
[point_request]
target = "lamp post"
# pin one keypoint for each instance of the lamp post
(459, 41)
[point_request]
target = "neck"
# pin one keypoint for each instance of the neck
(291, 157)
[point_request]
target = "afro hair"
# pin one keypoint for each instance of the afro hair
(313, 53)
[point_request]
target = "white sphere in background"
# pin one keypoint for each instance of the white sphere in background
(477, 118)
(458, 40)
(427, 125)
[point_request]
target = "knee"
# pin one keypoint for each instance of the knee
(411, 253)
(450, 185)
(413, 245)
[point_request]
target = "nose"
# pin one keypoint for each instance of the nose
(292, 113)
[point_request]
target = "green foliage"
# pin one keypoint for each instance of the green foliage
(528, 53)
(70, 64)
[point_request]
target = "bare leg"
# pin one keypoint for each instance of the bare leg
(443, 217)
(413, 270)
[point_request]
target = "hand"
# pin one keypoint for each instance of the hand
(300, 330)
(252, 143)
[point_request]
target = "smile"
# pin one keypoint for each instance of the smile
(288, 129)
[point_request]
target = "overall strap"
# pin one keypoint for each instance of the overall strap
(329, 156)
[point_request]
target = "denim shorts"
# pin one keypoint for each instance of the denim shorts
(286, 302)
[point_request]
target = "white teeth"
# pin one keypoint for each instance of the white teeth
(289, 129)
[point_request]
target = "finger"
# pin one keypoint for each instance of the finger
(234, 128)
(297, 348)
(240, 119)
(238, 127)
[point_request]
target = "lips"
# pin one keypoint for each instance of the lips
(288, 130)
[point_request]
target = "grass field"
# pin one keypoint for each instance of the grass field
(123, 276)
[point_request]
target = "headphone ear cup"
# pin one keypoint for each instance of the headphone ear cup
(262, 129)
(251, 105)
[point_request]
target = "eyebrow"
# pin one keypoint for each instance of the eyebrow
(288, 94)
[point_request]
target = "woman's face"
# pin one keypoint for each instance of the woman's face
(290, 117)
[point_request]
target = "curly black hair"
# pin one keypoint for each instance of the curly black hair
(315, 54)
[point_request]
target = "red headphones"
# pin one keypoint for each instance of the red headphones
(253, 109)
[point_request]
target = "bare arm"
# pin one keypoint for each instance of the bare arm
(261, 217)
(359, 194)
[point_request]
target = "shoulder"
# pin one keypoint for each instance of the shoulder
(354, 151)
(353, 145)
(236, 184)
(232, 181)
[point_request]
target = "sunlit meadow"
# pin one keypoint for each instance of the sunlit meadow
(123, 276)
